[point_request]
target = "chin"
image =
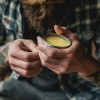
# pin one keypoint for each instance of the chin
(42, 14)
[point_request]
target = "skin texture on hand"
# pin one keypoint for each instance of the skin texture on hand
(23, 58)
(28, 59)
(72, 59)
(60, 61)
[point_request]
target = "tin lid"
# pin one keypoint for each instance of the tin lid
(55, 40)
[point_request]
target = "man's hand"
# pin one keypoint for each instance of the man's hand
(23, 57)
(62, 61)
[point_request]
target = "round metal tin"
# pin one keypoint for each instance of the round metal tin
(68, 41)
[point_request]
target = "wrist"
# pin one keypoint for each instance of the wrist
(94, 77)
(91, 70)
(88, 66)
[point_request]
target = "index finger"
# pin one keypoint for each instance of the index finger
(25, 55)
(30, 44)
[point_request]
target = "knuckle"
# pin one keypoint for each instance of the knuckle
(43, 63)
(17, 41)
(25, 73)
(52, 53)
(29, 42)
(67, 65)
(71, 56)
(11, 61)
(40, 46)
(26, 66)
(12, 51)
(46, 59)
(12, 67)
(58, 72)
(63, 69)
(27, 57)
(69, 51)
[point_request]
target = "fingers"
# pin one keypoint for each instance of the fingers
(59, 30)
(54, 69)
(51, 52)
(30, 44)
(45, 59)
(19, 49)
(27, 69)
(25, 65)
(58, 53)
(23, 55)
(58, 68)
(26, 73)
(64, 31)
(24, 58)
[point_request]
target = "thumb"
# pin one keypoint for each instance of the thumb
(64, 31)
(59, 30)
(30, 45)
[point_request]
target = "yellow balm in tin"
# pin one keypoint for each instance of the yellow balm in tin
(55, 40)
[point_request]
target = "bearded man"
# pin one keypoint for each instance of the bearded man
(45, 73)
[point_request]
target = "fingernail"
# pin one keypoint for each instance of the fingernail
(57, 26)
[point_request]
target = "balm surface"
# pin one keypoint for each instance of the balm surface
(58, 41)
